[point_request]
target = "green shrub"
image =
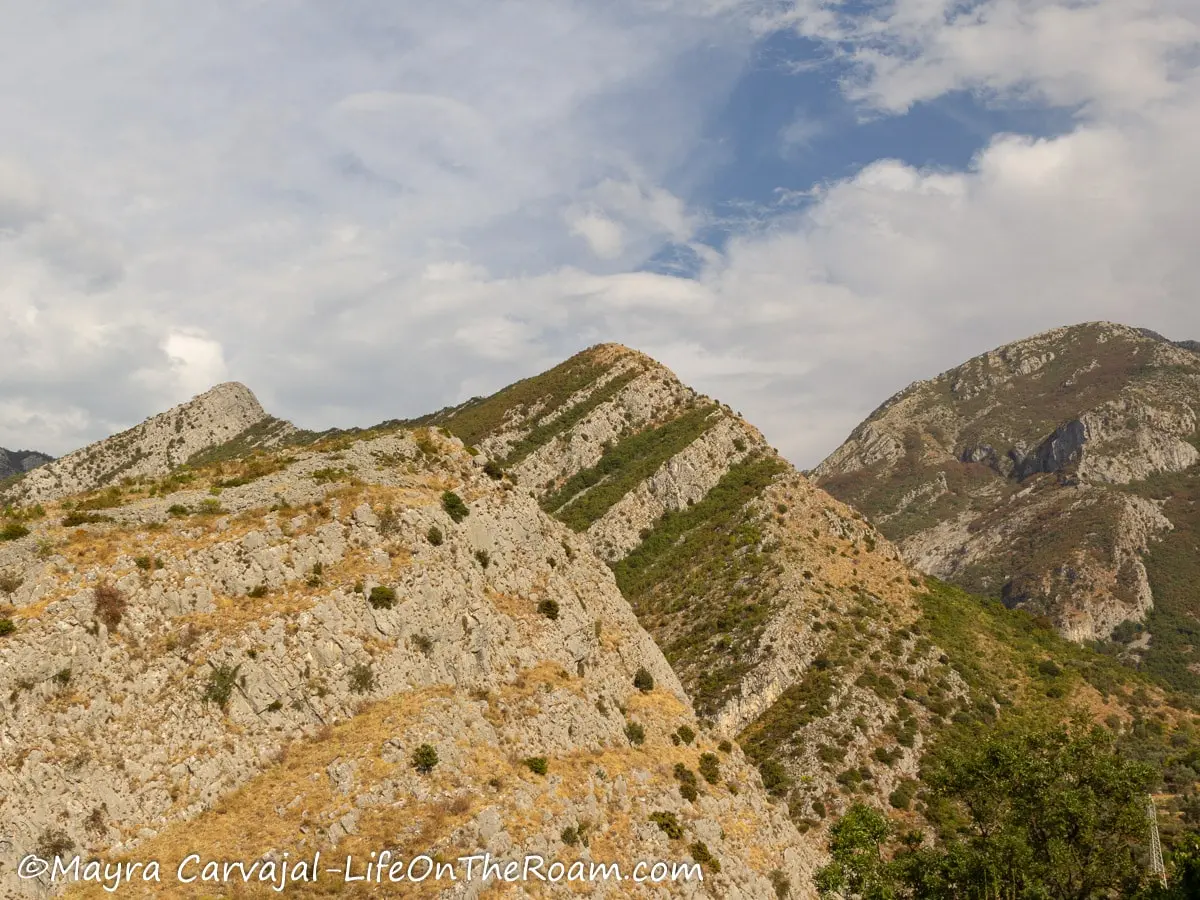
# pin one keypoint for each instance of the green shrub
(13, 531)
(548, 608)
(902, 796)
(492, 470)
(7, 627)
(145, 563)
(686, 734)
(781, 883)
(700, 853)
(776, 781)
(434, 536)
(423, 643)
(643, 681)
(669, 823)
(177, 510)
(636, 734)
(454, 506)
(725, 747)
(483, 558)
(257, 592)
(710, 767)
(382, 597)
(424, 758)
(538, 765)
(210, 506)
(221, 682)
(362, 678)
(570, 836)
(1049, 668)
(72, 519)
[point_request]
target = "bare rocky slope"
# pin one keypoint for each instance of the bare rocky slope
(154, 447)
(245, 657)
(1058, 473)
(641, 635)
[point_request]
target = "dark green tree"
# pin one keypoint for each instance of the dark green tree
(1031, 811)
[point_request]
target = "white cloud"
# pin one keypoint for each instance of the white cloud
(375, 211)
(604, 236)
(1099, 54)
(197, 362)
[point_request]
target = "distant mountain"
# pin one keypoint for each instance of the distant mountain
(227, 412)
(1059, 473)
(18, 462)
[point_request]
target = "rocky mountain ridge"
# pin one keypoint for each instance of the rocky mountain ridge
(18, 462)
(1029, 472)
(290, 643)
(622, 625)
(794, 624)
(152, 448)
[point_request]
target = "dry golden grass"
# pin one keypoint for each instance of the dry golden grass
(287, 805)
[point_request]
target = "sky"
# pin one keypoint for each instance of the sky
(369, 210)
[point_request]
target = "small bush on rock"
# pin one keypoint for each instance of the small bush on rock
(454, 506)
(13, 531)
(362, 678)
(221, 682)
(669, 823)
(382, 597)
(110, 604)
(424, 758)
(643, 681)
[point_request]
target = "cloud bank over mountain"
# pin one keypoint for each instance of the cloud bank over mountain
(329, 205)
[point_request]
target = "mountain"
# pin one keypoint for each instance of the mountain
(18, 462)
(594, 616)
(226, 412)
(795, 626)
(251, 654)
(1058, 473)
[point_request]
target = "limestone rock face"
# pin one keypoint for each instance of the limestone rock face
(1036, 472)
(278, 650)
(152, 448)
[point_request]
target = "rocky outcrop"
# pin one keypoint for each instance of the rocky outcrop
(152, 448)
(1021, 447)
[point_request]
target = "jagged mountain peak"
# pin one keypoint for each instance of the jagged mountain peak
(1037, 472)
(154, 447)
